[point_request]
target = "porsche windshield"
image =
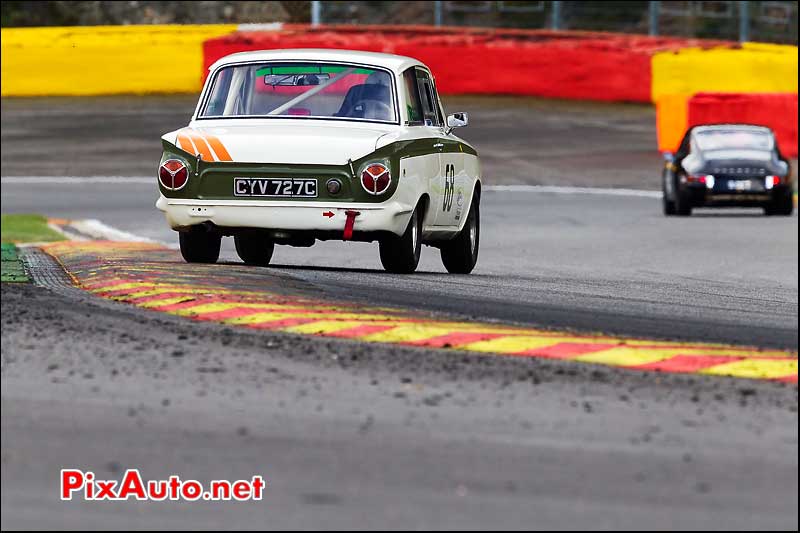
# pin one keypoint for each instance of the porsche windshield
(302, 90)
(733, 139)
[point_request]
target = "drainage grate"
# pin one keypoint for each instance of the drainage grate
(45, 271)
(48, 273)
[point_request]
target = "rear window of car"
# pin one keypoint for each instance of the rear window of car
(712, 140)
(302, 90)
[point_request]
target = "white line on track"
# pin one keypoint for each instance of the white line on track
(574, 190)
(94, 228)
(66, 233)
(122, 180)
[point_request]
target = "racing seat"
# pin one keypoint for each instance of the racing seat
(359, 93)
(374, 91)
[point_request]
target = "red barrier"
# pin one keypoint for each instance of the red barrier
(775, 110)
(573, 65)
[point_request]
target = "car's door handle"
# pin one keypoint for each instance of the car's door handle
(438, 145)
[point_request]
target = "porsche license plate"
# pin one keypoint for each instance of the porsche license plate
(740, 185)
(275, 187)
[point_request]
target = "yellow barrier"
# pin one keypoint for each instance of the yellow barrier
(93, 60)
(753, 68)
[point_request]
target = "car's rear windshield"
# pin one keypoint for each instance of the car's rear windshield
(733, 139)
(302, 90)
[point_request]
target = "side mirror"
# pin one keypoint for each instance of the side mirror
(457, 120)
(669, 157)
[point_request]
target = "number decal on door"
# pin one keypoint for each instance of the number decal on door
(449, 187)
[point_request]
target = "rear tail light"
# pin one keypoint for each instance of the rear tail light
(772, 181)
(173, 174)
(698, 178)
(376, 179)
(703, 179)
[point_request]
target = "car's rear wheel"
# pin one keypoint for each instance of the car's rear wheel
(667, 204)
(200, 245)
(683, 203)
(254, 247)
(401, 254)
(460, 254)
(781, 205)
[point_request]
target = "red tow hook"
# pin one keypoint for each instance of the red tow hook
(348, 225)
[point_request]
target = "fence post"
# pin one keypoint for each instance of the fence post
(316, 13)
(653, 19)
(437, 13)
(555, 21)
(744, 21)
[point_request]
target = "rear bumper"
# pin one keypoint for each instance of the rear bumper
(390, 216)
(701, 196)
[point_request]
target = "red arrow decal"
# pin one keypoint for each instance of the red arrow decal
(328, 214)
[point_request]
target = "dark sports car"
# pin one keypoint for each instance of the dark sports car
(727, 165)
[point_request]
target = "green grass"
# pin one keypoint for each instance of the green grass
(27, 228)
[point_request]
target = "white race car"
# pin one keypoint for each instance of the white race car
(290, 146)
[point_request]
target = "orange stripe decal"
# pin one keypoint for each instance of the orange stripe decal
(208, 146)
(218, 147)
(201, 145)
(185, 144)
(194, 143)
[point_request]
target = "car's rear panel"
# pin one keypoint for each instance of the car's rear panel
(216, 180)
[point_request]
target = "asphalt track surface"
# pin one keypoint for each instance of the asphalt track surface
(355, 436)
(520, 140)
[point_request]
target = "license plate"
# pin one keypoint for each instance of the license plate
(740, 185)
(275, 187)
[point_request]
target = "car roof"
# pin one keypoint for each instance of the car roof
(731, 127)
(392, 62)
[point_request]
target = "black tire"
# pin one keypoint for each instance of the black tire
(400, 255)
(683, 205)
(199, 245)
(782, 205)
(254, 247)
(667, 204)
(460, 254)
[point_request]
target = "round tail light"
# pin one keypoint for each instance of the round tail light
(772, 181)
(173, 174)
(376, 179)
